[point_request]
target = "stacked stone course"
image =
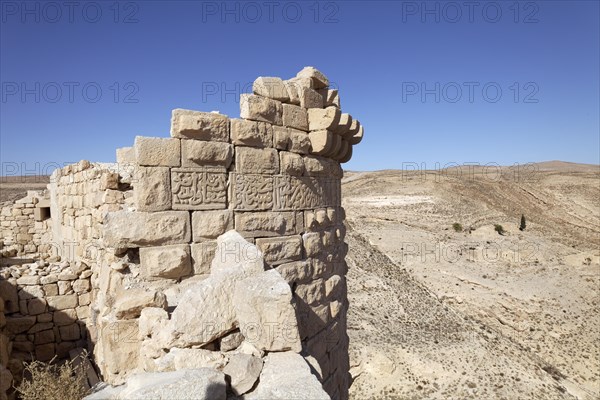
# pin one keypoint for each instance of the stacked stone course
(148, 229)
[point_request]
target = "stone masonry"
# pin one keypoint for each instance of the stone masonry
(148, 231)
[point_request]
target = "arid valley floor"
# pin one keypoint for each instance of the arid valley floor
(437, 313)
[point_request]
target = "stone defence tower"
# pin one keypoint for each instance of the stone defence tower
(146, 227)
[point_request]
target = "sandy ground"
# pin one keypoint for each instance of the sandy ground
(437, 314)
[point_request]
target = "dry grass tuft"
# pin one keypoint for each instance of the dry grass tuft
(48, 381)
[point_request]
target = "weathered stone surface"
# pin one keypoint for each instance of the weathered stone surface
(313, 245)
(152, 189)
(250, 160)
(5, 380)
(45, 352)
(202, 256)
(319, 80)
(279, 250)
(36, 306)
(28, 280)
(296, 271)
(310, 98)
(331, 97)
(235, 260)
(130, 303)
(352, 130)
(64, 317)
(188, 124)
(125, 155)
(118, 348)
(291, 163)
(210, 224)
(321, 142)
(344, 124)
(251, 192)
(196, 153)
(294, 87)
(178, 359)
(152, 320)
(357, 137)
(198, 190)
(157, 152)
(311, 293)
(30, 291)
(81, 286)
(267, 223)
(343, 151)
(16, 325)
(123, 229)
(8, 293)
(231, 341)
(346, 157)
(295, 117)
(62, 302)
(286, 375)
(267, 319)
(298, 193)
(171, 262)
(251, 133)
(258, 108)
(324, 118)
(243, 370)
(200, 384)
(270, 87)
(70, 332)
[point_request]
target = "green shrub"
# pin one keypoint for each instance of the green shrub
(457, 227)
(498, 228)
(50, 381)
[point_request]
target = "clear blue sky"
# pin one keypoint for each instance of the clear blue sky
(543, 56)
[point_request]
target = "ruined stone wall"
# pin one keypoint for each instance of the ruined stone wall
(24, 226)
(134, 236)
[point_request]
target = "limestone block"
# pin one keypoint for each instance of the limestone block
(270, 87)
(81, 286)
(336, 145)
(45, 352)
(6, 380)
(39, 327)
(8, 292)
(125, 155)
(157, 152)
(296, 271)
(263, 305)
(346, 157)
(303, 192)
(243, 370)
(117, 348)
(235, 260)
(344, 124)
(279, 250)
(251, 191)
(251, 133)
(319, 80)
(357, 137)
(295, 117)
(210, 224)
(299, 142)
(286, 375)
(36, 306)
(281, 137)
(291, 163)
(62, 302)
(267, 223)
(294, 87)
(324, 118)
(130, 303)
(202, 255)
(28, 280)
(152, 320)
(30, 291)
(313, 244)
(152, 189)
(44, 317)
(85, 299)
(194, 189)
(170, 262)
(352, 130)
(231, 341)
(310, 98)
(83, 312)
(250, 160)
(311, 293)
(196, 153)
(321, 142)
(188, 124)
(178, 359)
(258, 108)
(70, 332)
(64, 317)
(330, 97)
(64, 287)
(123, 229)
(343, 151)
(202, 383)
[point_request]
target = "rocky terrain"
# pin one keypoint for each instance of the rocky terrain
(436, 313)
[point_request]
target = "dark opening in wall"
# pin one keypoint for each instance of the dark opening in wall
(42, 213)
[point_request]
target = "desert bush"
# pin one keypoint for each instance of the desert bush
(523, 223)
(457, 227)
(498, 228)
(49, 381)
